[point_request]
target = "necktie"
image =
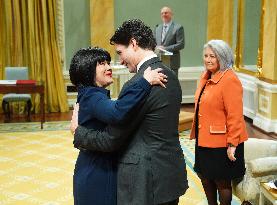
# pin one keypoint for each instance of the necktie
(164, 32)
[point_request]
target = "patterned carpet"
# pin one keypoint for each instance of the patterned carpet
(37, 167)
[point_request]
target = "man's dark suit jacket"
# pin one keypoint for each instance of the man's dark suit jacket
(151, 168)
(174, 41)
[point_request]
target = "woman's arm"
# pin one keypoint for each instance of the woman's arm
(117, 111)
(232, 99)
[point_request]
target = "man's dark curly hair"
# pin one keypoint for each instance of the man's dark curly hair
(82, 69)
(136, 29)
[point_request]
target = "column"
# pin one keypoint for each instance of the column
(102, 24)
(266, 117)
(220, 20)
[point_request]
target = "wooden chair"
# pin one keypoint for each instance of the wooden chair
(16, 73)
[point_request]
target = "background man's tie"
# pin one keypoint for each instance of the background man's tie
(164, 32)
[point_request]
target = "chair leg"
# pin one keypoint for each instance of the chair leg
(6, 109)
(29, 106)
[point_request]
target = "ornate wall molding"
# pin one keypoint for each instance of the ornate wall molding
(258, 102)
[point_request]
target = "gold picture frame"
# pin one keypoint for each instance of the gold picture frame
(240, 43)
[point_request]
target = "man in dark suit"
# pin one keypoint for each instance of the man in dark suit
(151, 167)
(170, 36)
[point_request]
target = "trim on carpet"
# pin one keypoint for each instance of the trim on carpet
(34, 126)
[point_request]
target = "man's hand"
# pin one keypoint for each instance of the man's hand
(74, 119)
(154, 77)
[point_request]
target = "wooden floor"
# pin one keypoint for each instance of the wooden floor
(252, 130)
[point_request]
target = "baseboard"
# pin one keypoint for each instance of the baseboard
(265, 123)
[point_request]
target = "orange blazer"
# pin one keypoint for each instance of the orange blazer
(220, 116)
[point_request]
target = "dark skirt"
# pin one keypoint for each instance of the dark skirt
(213, 163)
(94, 180)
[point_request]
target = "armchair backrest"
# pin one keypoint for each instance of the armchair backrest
(16, 73)
(258, 148)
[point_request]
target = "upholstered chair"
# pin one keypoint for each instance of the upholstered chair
(261, 166)
(16, 73)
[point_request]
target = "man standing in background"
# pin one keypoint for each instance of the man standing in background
(170, 36)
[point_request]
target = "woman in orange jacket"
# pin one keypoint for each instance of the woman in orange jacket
(218, 125)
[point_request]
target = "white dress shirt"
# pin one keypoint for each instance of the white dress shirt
(145, 59)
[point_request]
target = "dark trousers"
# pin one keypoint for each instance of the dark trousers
(174, 202)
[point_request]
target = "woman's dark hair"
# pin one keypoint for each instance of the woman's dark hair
(136, 29)
(82, 71)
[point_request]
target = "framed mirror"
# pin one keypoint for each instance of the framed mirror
(249, 36)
